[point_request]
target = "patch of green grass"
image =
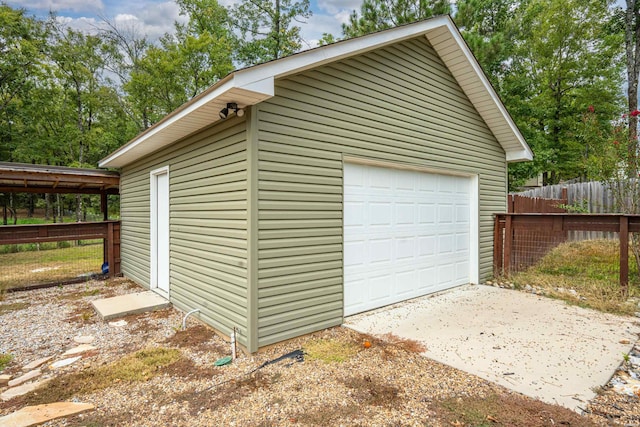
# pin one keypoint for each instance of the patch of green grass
(5, 359)
(589, 267)
(330, 351)
(24, 268)
(139, 366)
(7, 308)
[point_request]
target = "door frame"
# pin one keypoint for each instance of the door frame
(153, 175)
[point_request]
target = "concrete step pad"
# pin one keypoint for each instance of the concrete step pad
(139, 302)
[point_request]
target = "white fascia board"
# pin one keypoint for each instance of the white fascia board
(263, 88)
(521, 155)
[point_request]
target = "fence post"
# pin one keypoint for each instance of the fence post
(110, 256)
(497, 246)
(624, 255)
(508, 239)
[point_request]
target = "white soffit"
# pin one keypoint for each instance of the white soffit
(255, 84)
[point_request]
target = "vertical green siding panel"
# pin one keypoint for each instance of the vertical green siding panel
(399, 104)
(208, 223)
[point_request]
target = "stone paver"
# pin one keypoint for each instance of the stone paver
(79, 349)
(34, 415)
(4, 379)
(20, 390)
(84, 339)
(25, 377)
(36, 363)
(64, 362)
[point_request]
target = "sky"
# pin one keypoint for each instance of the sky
(156, 17)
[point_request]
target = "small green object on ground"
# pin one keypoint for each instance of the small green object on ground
(223, 361)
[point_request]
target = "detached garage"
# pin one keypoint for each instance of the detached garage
(340, 179)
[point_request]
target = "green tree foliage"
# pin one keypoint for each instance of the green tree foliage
(22, 52)
(489, 28)
(183, 64)
(376, 15)
(267, 29)
(567, 62)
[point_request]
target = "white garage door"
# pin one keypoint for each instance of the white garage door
(406, 234)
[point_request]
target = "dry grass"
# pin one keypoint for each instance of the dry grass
(139, 366)
(505, 410)
(406, 344)
(371, 391)
(7, 308)
(591, 268)
(330, 350)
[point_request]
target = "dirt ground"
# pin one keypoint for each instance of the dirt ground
(148, 372)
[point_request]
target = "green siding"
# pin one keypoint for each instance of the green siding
(396, 104)
(208, 223)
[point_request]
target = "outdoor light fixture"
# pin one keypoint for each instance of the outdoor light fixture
(231, 107)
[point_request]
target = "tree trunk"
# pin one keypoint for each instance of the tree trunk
(632, 47)
(276, 23)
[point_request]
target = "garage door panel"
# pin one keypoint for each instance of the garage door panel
(406, 234)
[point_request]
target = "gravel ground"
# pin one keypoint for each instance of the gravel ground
(388, 384)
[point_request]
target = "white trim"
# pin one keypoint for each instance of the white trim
(153, 279)
(474, 232)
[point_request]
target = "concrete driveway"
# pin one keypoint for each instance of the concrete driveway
(535, 345)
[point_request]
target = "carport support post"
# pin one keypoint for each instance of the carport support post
(624, 255)
(110, 255)
(104, 206)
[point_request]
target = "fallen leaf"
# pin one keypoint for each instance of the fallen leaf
(625, 342)
(490, 418)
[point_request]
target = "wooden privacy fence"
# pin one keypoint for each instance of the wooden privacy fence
(517, 203)
(521, 240)
(109, 231)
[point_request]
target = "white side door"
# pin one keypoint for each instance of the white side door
(160, 231)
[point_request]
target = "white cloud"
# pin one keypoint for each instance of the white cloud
(83, 24)
(318, 25)
(60, 5)
(158, 18)
(335, 7)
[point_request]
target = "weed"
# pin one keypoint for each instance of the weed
(626, 357)
(329, 350)
(139, 366)
(407, 344)
(5, 359)
(7, 308)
